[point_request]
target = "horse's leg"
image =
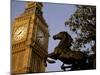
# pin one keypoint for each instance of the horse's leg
(55, 54)
(52, 55)
(63, 67)
(73, 67)
(50, 61)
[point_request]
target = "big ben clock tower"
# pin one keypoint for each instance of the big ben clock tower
(29, 40)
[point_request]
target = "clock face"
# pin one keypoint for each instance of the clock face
(40, 36)
(20, 33)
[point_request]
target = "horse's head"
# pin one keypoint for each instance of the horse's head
(60, 35)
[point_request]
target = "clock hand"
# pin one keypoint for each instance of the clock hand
(19, 33)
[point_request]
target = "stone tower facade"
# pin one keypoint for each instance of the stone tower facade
(29, 40)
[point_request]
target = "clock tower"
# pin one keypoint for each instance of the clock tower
(29, 40)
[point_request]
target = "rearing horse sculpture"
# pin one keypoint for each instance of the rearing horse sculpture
(63, 53)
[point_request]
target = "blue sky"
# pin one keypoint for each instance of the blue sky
(55, 16)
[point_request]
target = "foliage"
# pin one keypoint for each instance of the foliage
(83, 23)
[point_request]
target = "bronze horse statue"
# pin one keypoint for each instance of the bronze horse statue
(63, 53)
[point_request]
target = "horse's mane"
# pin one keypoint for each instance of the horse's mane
(68, 36)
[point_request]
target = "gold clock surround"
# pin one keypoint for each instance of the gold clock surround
(20, 33)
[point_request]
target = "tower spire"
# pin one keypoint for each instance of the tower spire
(31, 4)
